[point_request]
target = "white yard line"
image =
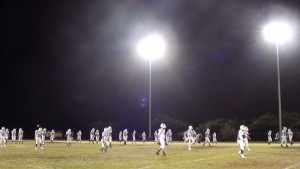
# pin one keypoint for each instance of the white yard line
(292, 166)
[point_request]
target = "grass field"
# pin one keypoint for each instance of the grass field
(142, 155)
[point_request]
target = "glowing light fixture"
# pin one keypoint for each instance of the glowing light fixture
(277, 32)
(151, 47)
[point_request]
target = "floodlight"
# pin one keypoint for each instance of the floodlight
(277, 32)
(152, 46)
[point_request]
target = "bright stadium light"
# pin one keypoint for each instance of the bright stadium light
(278, 33)
(151, 47)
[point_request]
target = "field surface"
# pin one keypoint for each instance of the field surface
(142, 156)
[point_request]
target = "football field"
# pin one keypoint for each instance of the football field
(142, 156)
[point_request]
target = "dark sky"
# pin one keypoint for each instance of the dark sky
(68, 63)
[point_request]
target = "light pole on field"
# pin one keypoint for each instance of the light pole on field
(278, 33)
(151, 47)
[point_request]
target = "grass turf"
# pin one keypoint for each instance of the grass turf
(142, 155)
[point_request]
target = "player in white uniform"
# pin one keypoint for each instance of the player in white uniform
(120, 136)
(247, 138)
(269, 137)
(79, 133)
(185, 136)
(2, 137)
(240, 140)
(69, 137)
(133, 136)
(52, 136)
(290, 134)
(207, 137)
(215, 137)
(44, 136)
(38, 138)
(92, 135)
(168, 136)
(109, 131)
(190, 137)
(6, 135)
(20, 135)
(125, 136)
(155, 137)
(97, 134)
(283, 137)
(162, 135)
(13, 135)
(144, 137)
(105, 140)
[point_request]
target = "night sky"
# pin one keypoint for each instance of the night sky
(65, 64)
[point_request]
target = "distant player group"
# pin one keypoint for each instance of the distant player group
(286, 136)
(161, 137)
(4, 135)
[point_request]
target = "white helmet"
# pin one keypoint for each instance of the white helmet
(242, 127)
(284, 128)
(246, 128)
(40, 129)
(191, 127)
(207, 129)
(3, 128)
(162, 125)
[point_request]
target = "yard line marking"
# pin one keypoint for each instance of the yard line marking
(292, 166)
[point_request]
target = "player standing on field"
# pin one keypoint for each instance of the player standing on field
(290, 134)
(2, 137)
(97, 134)
(20, 135)
(79, 133)
(283, 137)
(13, 135)
(125, 136)
(105, 140)
(190, 137)
(133, 136)
(52, 135)
(162, 136)
(144, 137)
(92, 135)
(269, 137)
(240, 139)
(38, 138)
(207, 137)
(215, 137)
(69, 137)
(247, 138)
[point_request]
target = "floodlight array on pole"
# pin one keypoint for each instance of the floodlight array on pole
(278, 33)
(151, 47)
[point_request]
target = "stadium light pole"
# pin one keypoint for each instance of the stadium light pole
(278, 33)
(151, 47)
